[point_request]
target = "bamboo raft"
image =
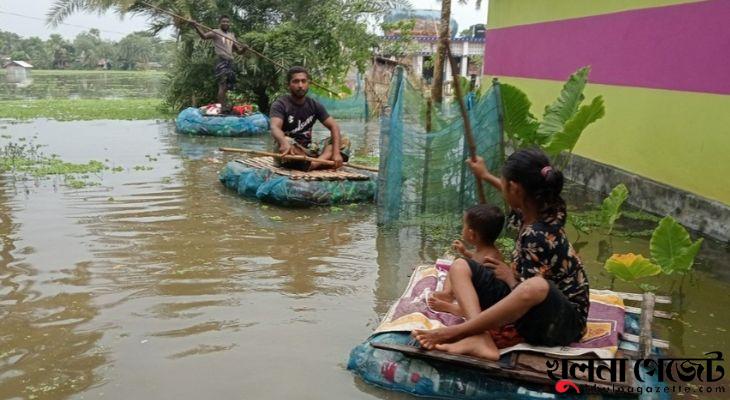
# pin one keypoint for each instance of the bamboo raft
(531, 368)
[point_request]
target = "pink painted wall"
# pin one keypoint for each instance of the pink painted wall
(680, 47)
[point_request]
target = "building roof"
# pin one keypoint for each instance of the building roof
(19, 64)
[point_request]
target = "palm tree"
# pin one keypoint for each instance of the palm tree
(437, 88)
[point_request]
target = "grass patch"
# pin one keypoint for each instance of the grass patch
(84, 109)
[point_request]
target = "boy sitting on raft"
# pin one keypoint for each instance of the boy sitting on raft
(292, 119)
(472, 285)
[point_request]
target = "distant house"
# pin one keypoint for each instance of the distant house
(104, 64)
(17, 71)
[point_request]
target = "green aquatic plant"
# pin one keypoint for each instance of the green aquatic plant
(563, 121)
(83, 109)
(371, 161)
(27, 159)
(611, 206)
(631, 267)
(505, 245)
(605, 216)
(672, 248)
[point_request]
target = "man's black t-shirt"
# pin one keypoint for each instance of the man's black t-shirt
(298, 119)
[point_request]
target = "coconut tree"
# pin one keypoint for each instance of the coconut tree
(437, 88)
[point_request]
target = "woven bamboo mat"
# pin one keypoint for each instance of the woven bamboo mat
(342, 174)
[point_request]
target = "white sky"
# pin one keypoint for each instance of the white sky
(113, 27)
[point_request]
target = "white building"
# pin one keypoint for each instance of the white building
(468, 51)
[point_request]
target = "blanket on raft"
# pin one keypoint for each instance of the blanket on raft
(411, 311)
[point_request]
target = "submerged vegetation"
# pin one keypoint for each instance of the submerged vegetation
(83, 109)
(24, 159)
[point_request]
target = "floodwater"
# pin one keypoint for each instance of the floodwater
(84, 85)
(161, 284)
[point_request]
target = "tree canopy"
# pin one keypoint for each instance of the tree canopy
(327, 36)
(88, 51)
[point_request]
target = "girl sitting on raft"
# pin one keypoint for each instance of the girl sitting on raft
(548, 303)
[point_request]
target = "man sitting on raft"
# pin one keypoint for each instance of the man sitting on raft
(292, 119)
(224, 42)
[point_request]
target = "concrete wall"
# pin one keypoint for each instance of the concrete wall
(663, 67)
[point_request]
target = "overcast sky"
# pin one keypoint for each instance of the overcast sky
(113, 27)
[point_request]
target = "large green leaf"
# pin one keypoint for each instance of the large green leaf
(611, 206)
(566, 139)
(630, 267)
(565, 106)
(519, 124)
(672, 248)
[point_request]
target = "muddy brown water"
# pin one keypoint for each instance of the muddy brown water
(160, 283)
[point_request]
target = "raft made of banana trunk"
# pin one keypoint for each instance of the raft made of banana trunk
(259, 178)
(192, 121)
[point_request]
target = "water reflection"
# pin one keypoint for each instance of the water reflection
(48, 348)
(83, 85)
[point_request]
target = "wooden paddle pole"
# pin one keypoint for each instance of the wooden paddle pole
(293, 157)
(260, 55)
(468, 134)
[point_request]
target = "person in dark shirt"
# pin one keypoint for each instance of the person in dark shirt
(224, 43)
(292, 119)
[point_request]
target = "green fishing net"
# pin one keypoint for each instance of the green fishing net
(423, 174)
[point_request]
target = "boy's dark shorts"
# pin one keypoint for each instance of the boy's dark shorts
(554, 322)
(490, 290)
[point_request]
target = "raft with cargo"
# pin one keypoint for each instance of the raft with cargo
(194, 122)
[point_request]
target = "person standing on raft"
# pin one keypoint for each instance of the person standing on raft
(224, 42)
(292, 119)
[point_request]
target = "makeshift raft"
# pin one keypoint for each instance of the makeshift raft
(259, 178)
(393, 360)
(192, 121)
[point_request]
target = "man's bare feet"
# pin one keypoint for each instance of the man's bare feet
(444, 306)
(481, 346)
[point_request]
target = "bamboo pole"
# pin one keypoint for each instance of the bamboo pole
(293, 158)
(260, 55)
(468, 134)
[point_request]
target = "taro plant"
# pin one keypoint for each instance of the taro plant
(604, 217)
(562, 123)
(631, 267)
(611, 206)
(672, 248)
(672, 251)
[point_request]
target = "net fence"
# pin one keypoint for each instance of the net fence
(423, 175)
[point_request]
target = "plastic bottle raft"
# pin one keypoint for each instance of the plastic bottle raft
(393, 360)
(259, 178)
(192, 121)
